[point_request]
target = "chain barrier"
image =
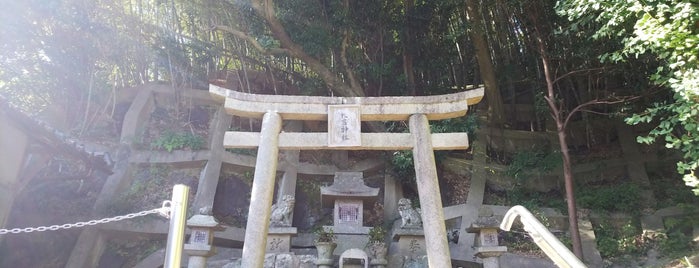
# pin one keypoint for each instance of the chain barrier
(163, 211)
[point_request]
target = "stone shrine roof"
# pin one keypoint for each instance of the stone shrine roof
(347, 185)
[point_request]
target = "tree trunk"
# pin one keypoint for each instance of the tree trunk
(560, 120)
(570, 192)
(496, 110)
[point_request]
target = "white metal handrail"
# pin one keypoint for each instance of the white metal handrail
(554, 249)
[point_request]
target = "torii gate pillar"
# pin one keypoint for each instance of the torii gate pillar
(428, 191)
(262, 191)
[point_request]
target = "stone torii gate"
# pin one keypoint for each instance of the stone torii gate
(344, 115)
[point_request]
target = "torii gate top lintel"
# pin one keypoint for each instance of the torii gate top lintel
(397, 108)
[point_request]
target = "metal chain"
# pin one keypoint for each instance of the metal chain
(163, 211)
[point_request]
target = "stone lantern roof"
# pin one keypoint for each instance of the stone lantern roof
(205, 220)
(347, 185)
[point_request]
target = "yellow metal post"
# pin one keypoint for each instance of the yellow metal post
(178, 217)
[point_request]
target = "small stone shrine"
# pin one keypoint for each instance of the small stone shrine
(346, 196)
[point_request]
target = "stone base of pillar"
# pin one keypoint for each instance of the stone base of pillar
(490, 255)
(491, 262)
(279, 239)
(411, 242)
(197, 262)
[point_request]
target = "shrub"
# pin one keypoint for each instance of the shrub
(524, 162)
(621, 197)
(403, 165)
(377, 234)
(614, 241)
(170, 141)
(678, 240)
(324, 234)
(467, 124)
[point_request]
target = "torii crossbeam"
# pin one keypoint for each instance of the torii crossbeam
(344, 115)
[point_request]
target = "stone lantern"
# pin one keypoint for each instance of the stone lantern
(486, 228)
(346, 196)
(200, 244)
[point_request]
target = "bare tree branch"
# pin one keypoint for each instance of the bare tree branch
(577, 72)
(610, 101)
(593, 112)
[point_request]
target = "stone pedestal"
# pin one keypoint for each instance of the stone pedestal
(279, 239)
(325, 254)
(411, 246)
(198, 255)
(490, 255)
(378, 252)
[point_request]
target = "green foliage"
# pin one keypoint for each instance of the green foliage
(541, 107)
(170, 141)
(403, 165)
(534, 200)
(678, 241)
(248, 177)
(614, 241)
(41, 63)
(676, 244)
(607, 246)
(667, 30)
(628, 239)
(525, 162)
(670, 191)
(403, 160)
(374, 216)
(312, 86)
(268, 42)
(673, 116)
(377, 234)
(468, 124)
(620, 197)
(324, 234)
(311, 189)
(250, 152)
(148, 187)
